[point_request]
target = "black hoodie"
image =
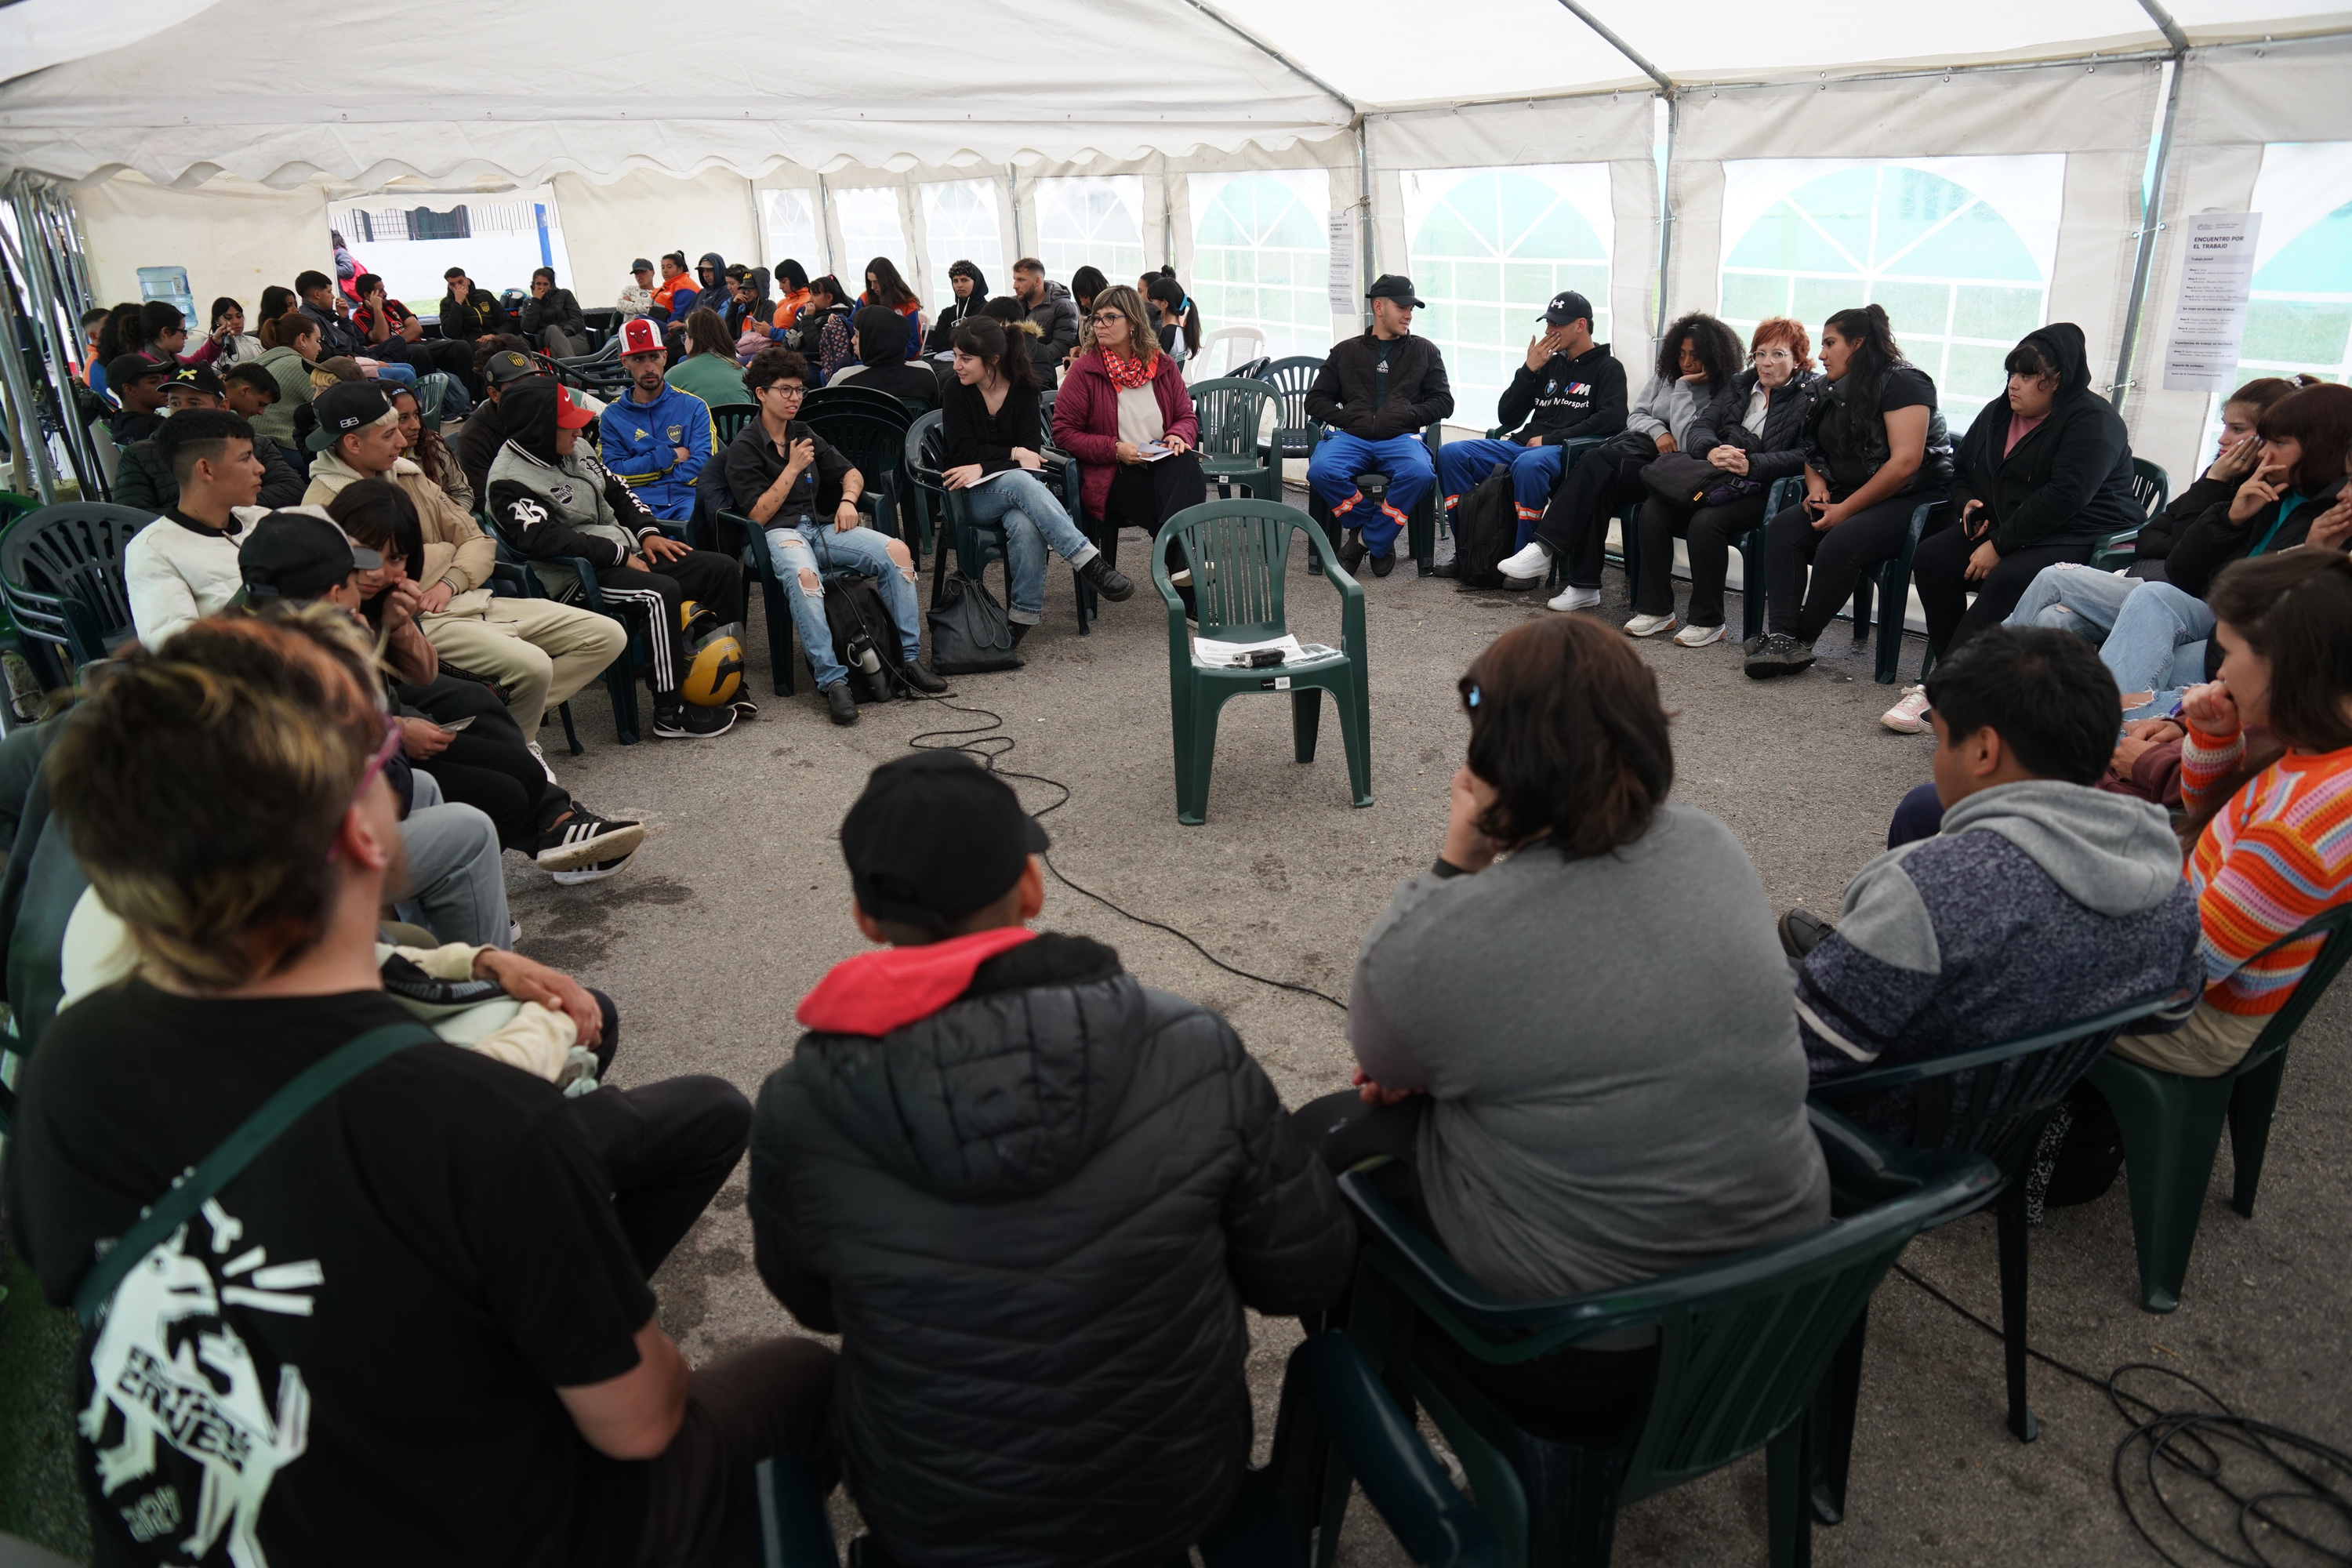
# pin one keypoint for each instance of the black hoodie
(2069, 482)
(942, 336)
(882, 350)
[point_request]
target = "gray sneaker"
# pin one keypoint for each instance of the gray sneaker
(1779, 655)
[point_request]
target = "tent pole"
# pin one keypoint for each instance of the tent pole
(824, 221)
(1364, 209)
(1666, 220)
(1270, 52)
(1665, 82)
(11, 370)
(2151, 218)
(1012, 200)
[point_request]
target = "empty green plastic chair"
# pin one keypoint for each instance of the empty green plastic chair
(2152, 487)
(1330, 1400)
(2172, 1125)
(1740, 1345)
(1236, 551)
(1231, 412)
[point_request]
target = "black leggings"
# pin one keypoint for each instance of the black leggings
(1940, 569)
(1837, 556)
(712, 580)
(1710, 531)
(1575, 526)
(1144, 496)
(486, 765)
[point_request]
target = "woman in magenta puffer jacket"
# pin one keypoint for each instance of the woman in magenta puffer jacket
(1121, 400)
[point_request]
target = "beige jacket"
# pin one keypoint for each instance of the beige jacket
(456, 548)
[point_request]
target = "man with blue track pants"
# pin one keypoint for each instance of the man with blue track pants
(1373, 396)
(656, 439)
(1569, 389)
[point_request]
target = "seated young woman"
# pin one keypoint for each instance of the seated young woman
(2266, 773)
(1748, 434)
(991, 429)
(880, 338)
(1122, 399)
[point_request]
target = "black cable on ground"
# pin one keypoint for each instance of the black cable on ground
(2300, 1501)
(981, 741)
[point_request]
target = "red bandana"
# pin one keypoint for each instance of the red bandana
(1125, 373)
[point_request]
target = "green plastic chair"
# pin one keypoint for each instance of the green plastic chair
(1742, 1344)
(1893, 581)
(1329, 1399)
(2152, 487)
(978, 544)
(1237, 550)
(875, 442)
(1231, 412)
(2172, 1125)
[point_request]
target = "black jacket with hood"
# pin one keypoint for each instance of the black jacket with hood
(1033, 1197)
(1779, 451)
(2069, 482)
(942, 333)
(1418, 393)
(882, 335)
(2211, 542)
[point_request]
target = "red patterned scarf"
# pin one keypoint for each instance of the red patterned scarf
(1126, 374)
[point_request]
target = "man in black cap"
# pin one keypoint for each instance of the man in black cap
(1028, 1193)
(485, 430)
(1570, 388)
(145, 479)
(137, 384)
(638, 298)
(1373, 396)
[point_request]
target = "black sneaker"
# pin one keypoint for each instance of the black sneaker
(1802, 931)
(1384, 564)
(745, 708)
(584, 839)
(1446, 569)
(920, 677)
(1781, 654)
(839, 704)
(1352, 552)
(1107, 580)
(1020, 629)
(685, 721)
(596, 873)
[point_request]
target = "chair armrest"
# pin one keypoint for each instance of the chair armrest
(793, 1518)
(1436, 1524)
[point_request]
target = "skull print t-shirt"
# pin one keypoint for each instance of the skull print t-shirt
(350, 1355)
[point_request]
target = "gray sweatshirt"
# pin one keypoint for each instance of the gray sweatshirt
(1617, 1084)
(1669, 406)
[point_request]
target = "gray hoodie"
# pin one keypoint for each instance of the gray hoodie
(2039, 903)
(1669, 407)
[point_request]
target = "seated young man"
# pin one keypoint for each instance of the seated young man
(791, 482)
(654, 438)
(1033, 1198)
(1374, 397)
(145, 479)
(484, 431)
(1569, 388)
(184, 566)
(137, 384)
(554, 499)
(415, 1314)
(536, 651)
(2040, 900)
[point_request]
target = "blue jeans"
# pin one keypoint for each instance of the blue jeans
(2071, 598)
(2158, 646)
(1462, 466)
(1034, 521)
(1338, 457)
(815, 548)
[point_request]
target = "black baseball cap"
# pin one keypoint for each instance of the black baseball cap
(1393, 285)
(296, 556)
(1567, 306)
(509, 365)
(641, 265)
(346, 407)
(202, 378)
(124, 369)
(934, 836)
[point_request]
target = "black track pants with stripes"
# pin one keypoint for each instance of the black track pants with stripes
(713, 580)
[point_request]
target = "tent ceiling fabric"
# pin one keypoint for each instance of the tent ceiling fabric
(181, 89)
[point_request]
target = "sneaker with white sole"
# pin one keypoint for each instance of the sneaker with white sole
(1650, 625)
(1532, 560)
(597, 872)
(1573, 598)
(1699, 636)
(584, 839)
(1908, 717)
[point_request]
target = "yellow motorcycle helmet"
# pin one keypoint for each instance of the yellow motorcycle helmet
(714, 677)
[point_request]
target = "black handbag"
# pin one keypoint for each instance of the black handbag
(970, 632)
(1689, 481)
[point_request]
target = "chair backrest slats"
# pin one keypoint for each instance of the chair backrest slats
(2151, 487)
(1231, 412)
(71, 551)
(1238, 552)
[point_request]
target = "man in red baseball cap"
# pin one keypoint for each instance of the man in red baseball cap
(656, 438)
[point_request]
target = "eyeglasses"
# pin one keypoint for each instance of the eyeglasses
(391, 737)
(794, 393)
(1104, 318)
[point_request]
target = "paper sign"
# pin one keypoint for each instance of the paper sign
(1345, 297)
(2209, 322)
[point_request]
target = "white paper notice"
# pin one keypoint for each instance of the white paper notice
(1345, 299)
(2209, 320)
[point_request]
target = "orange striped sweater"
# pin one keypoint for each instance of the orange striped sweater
(2279, 853)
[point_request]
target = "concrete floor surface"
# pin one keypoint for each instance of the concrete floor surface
(738, 902)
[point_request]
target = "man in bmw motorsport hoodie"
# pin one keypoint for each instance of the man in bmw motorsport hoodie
(1032, 1197)
(1570, 389)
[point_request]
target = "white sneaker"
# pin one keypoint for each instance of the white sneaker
(1573, 599)
(1908, 717)
(1699, 636)
(1532, 561)
(1650, 625)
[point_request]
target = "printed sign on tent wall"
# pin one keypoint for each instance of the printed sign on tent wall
(1957, 252)
(2209, 317)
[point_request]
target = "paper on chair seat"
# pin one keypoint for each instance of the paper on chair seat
(1210, 651)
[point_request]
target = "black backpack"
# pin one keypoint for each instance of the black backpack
(861, 623)
(1486, 530)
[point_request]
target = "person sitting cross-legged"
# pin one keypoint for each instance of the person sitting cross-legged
(654, 438)
(1569, 389)
(415, 1328)
(1373, 396)
(1032, 1197)
(2040, 900)
(802, 493)
(554, 500)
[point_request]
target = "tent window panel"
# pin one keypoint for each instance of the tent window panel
(1094, 220)
(2003, 313)
(789, 220)
(1813, 301)
(869, 228)
(1488, 249)
(2299, 312)
(1260, 256)
(960, 225)
(1972, 377)
(2296, 331)
(1747, 297)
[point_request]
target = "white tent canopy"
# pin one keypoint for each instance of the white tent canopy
(1978, 172)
